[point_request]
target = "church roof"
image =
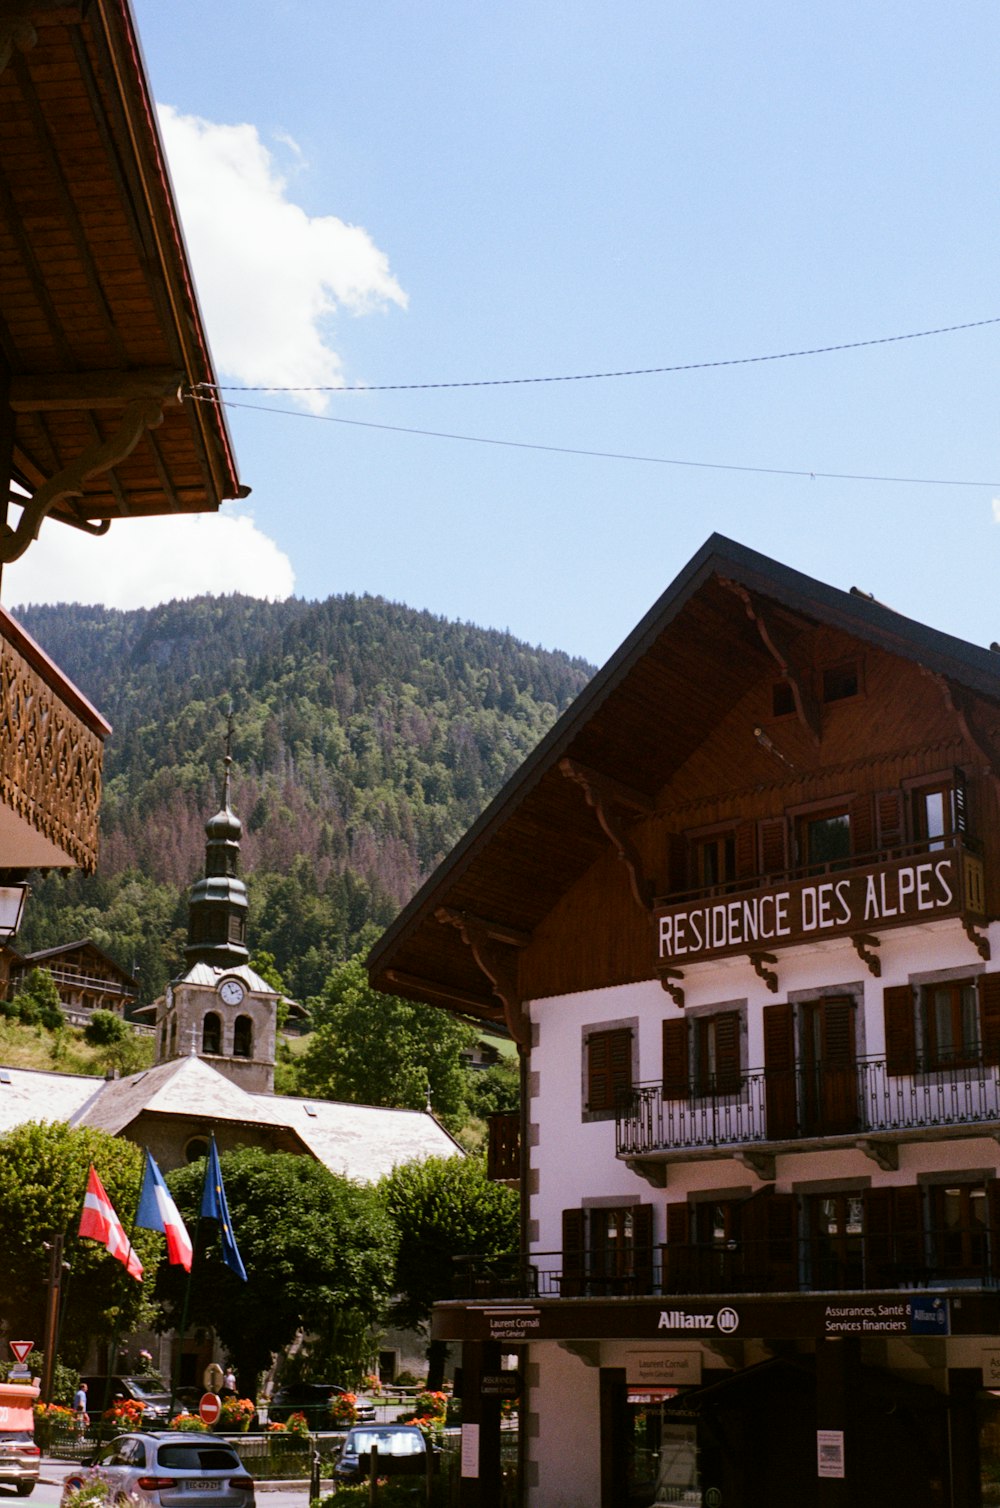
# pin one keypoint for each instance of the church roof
(356, 1141)
(209, 974)
(184, 1086)
(363, 1142)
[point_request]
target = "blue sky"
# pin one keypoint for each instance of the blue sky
(546, 189)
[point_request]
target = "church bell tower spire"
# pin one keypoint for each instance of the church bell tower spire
(217, 906)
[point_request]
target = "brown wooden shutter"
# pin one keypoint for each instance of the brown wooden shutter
(573, 1253)
(837, 1073)
(993, 1215)
(642, 1239)
(676, 1078)
(769, 1240)
(677, 1258)
(877, 1205)
(677, 863)
(746, 850)
(609, 1067)
(773, 854)
(862, 824)
(908, 1229)
(727, 1052)
(889, 824)
(900, 1030)
(989, 1016)
(779, 1070)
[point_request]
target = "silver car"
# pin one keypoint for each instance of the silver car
(170, 1471)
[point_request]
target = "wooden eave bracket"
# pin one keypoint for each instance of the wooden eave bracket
(667, 977)
(610, 800)
(760, 1163)
(884, 1153)
(492, 946)
(143, 414)
(58, 392)
(979, 940)
(961, 708)
(864, 942)
(759, 961)
(806, 706)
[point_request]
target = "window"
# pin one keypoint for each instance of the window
(243, 1037)
(607, 1249)
(960, 1224)
(782, 699)
(211, 1034)
(703, 1054)
(939, 809)
(824, 838)
(836, 1240)
(841, 681)
(715, 860)
(941, 1024)
(608, 1069)
(951, 1023)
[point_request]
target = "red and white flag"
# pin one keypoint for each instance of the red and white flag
(100, 1223)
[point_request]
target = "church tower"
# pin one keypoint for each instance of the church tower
(220, 1009)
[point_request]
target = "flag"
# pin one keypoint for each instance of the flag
(100, 1223)
(157, 1211)
(214, 1207)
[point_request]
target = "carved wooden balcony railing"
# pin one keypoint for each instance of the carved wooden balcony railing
(503, 1153)
(807, 1104)
(51, 752)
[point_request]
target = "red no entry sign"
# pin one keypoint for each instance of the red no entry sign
(210, 1407)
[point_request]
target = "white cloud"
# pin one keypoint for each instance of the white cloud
(141, 562)
(269, 275)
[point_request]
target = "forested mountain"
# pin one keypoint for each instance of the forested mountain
(367, 736)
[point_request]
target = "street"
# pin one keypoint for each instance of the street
(53, 1473)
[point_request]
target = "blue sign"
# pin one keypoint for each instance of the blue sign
(929, 1315)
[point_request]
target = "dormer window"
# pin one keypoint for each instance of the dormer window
(841, 681)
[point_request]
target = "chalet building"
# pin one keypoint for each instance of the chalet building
(741, 912)
(86, 978)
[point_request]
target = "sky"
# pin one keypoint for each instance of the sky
(405, 197)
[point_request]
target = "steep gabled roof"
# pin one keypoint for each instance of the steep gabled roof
(652, 705)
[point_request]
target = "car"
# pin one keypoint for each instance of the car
(155, 1400)
(169, 1470)
(313, 1399)
(19, 1460)
(402, 1451)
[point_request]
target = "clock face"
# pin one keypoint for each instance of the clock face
(231, 992)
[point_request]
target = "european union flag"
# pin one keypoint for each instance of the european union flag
(214, 1207)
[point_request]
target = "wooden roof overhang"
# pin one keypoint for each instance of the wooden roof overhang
(731, 615)
(101, 337)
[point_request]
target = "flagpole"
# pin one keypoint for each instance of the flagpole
(176, 1368)
(116, 1333)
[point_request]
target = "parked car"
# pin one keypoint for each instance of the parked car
(155, 1401)
(19, 1458)
(402, 1451)
(168, 1471)
(313, 1399)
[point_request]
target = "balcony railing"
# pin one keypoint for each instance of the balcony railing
(51, 749)
(938, 1259)
(861, 1099)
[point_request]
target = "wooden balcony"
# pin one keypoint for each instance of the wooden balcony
(51, 752)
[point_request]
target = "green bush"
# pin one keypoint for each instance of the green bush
(104, 1028)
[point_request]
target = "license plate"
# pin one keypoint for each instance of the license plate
(203, 1484)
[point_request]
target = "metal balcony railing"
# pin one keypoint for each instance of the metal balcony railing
(967, 1259)
(861, 1098)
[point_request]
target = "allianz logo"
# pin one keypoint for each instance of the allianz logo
(726, 1320)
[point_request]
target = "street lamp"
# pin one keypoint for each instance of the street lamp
(12, 899)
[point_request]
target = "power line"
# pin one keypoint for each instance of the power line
(689, 366)
(605, 455)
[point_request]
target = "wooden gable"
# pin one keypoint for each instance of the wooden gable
(551, 891)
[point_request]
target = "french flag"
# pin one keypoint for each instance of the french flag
(99, 1221)
(157, 1211)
